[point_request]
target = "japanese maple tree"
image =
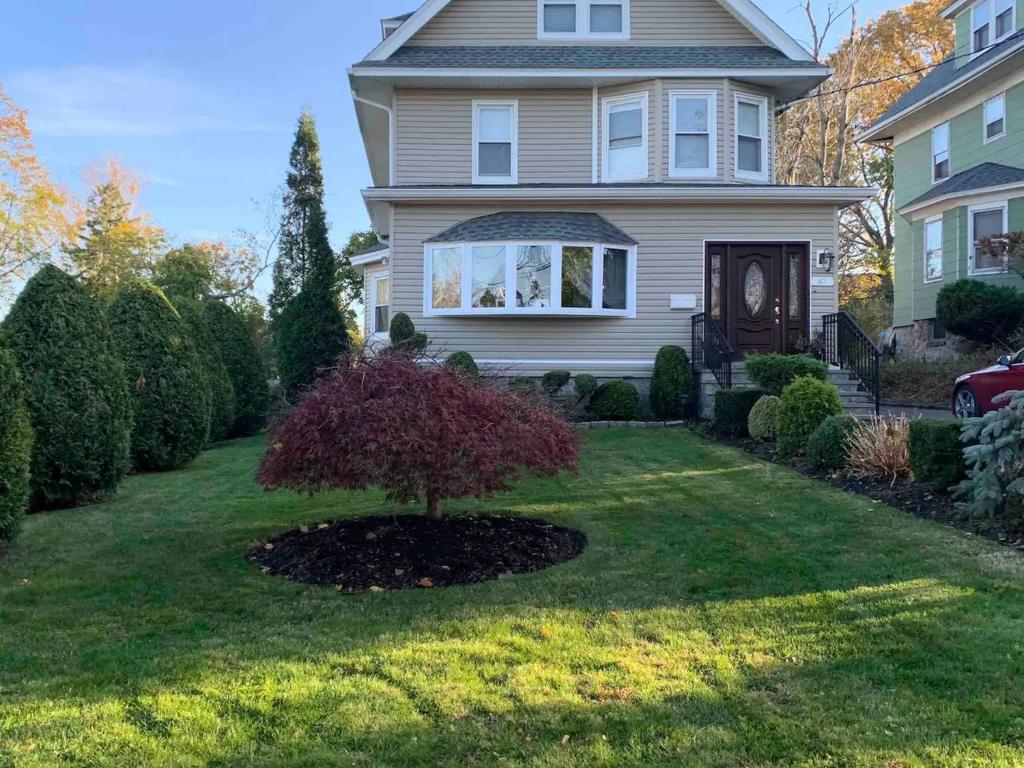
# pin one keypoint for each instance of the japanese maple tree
(421, 434)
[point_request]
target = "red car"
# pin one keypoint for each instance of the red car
(973, 393)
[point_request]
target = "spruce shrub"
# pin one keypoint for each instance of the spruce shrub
(166, 376)
(15, 449)
(775, 372)
(464, 363)
(732, 409)
(828, 447)
(78, 404)
(551, 383)
(616, 401)
(763, 421)
(671, 383)
(936, 453)
(238, 351)
(805, 404)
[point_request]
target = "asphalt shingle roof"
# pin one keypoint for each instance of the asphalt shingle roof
(979, 177)
(587, 57)
(947, 73)
(541, 225)
(402, 17)
(376, 247)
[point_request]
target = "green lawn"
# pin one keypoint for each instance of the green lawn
(726, 613)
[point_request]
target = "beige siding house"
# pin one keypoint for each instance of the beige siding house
(572, 183)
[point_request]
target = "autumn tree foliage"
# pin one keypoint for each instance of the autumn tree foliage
(421, 434)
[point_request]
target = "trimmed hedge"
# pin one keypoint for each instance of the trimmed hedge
(464, 363)
(732, 409)
(775, 372)
(763, 421)
(936, 453)
(222, 392)
(165, 374)
(827, 447)
(15, 449)
(75, 390)
(585, 386)
(616, 401)
(238, 351)
(980, 311)
(806, 403)
(671, 383)
(551, 383)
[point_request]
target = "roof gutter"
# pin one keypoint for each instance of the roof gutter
(914, 207)
(362, 70)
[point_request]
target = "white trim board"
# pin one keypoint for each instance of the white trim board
(498, 73)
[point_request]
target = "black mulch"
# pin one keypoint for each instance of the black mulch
(406, 551)
(916, 498)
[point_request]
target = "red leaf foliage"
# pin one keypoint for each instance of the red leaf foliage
(419, 433)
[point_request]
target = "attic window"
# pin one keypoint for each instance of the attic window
(991, 22)
(583, 19)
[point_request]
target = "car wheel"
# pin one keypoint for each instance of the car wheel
(965, 404)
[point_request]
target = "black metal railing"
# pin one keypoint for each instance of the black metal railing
(711, 350)
(846, 345)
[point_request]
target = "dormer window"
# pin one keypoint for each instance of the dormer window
(991, 22)
(583, 19)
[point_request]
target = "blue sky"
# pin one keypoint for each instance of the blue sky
(202, 97)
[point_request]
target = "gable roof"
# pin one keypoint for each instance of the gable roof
(748, 14)
(980, 177)
(530, 225)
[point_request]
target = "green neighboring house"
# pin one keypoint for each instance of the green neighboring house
(958, 141)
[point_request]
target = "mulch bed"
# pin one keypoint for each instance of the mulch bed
(916, 498)
(409, 551)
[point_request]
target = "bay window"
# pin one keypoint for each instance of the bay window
(495, 142)
(692, 147)
(625, 138)
(995, 118)
(933, 250)
(582, 19)
(751, 119)
(940, 152)
(549, 278)
(989, 220)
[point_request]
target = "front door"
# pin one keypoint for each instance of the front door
(759, 293)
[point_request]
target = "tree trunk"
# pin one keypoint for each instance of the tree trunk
(433, 507)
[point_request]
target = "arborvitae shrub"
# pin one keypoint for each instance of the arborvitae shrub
(75, 390)
(165, 374)
(775, 372)
(936, 453)
(551, 383)
(311, 338)
(404, 336)
(616, 401)
(222, 393)
(585, 386)
(828, 447)
(732, 409)
(763, 421)
(464, 363)
(245, 367)
(15, 448)
(805, 404)
(671, 383)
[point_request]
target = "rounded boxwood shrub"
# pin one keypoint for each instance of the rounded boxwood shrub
(222, 392)
(775, 372)
(78, 403)
(671, 382)
(464, 363)
(551, 383)
(15, 448)
(828, 446)
(585, 386)
(404, 336)
(732, 409)
(616, 401)
(980, 311)
(936, 453)
(805, 404)
(240, 356)
(763, 421)
(165, 374)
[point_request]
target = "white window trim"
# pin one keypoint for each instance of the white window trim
(583, 21)
(991, 24)
(711, 172)
(984, 125)
(512, 104)
(374, 279)
(761, 101)
(606, 105)
(942, 249)
(556, 308)
(948, 150)
(1002, 205)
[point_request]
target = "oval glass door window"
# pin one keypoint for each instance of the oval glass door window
(754, 289)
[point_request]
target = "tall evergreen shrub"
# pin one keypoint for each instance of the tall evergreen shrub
(671, 383)
(237, 348)
(15, 448)
(222, 391)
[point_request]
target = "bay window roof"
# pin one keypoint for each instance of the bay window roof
(535, 225)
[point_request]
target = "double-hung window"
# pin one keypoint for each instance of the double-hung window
(380, 295)
(751, 119)
(583, 19)
(933, 249)
(991, 22)
(495, 142)
(940, 152)
(985, 221)
(693, 151)
(625, 138)
(995, 118)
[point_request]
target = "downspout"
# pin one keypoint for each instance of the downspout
(392, 149)
(593, 139)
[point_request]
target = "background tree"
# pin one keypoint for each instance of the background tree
(350, 280)
(163, 369)
(74, 388)
(15, 448)
(229, 332)
(35, 213)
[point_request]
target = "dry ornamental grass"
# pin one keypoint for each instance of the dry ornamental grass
(878, 448)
